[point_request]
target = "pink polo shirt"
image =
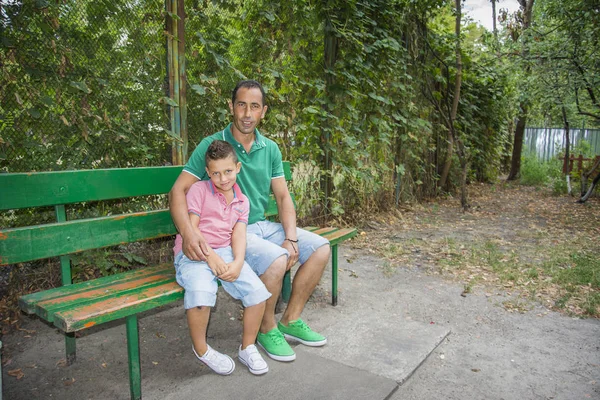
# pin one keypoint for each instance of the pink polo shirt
(217, 218)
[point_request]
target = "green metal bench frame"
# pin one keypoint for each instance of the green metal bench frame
(73, 307)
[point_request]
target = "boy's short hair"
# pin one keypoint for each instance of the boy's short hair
(249, 84)
(218, 150)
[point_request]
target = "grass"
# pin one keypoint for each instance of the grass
(566, 272)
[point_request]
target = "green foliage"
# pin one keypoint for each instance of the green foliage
(534, 172)
(103, 262)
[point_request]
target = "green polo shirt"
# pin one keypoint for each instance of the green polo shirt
(262, 164)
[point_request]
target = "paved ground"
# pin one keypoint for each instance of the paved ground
(404, 335)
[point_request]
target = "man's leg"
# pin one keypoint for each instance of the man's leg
(304, 283)
(273, 279)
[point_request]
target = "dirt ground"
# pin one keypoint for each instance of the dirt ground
(419, 265)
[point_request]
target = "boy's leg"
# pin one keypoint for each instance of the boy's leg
(200, 294)
(252, 318)
(197, 319)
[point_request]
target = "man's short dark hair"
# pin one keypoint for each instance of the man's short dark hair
(219, 150)
(249, 84)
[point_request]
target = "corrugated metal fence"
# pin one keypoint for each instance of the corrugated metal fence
(546, 143)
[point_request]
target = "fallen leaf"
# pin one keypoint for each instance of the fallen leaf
(17, 373)
(475, 369)
(68, 381)
(61, 363)
(155, 362)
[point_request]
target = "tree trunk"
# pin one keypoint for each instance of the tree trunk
(494, 19)
(567, 149)
(515, 165)
(331, 43)
(456, 98)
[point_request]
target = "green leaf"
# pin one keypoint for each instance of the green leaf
(173, 15)
(169, 101)
(34, 113)
(201, 90)
(81, 86)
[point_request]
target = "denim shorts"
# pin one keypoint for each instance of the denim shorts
(201, 286)
(264, 240)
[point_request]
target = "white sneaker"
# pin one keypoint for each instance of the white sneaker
(252, 359)
(222, 364)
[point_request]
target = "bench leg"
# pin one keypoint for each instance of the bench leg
(334, 275)
(0, 370)
(70, 348)
(286, 288)
(133, 351)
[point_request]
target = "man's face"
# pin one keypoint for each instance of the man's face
(247, 110)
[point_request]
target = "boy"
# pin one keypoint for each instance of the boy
(219, 210)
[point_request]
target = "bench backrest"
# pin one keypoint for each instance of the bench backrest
(63, 188)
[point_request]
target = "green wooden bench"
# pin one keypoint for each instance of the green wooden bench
(74, 307)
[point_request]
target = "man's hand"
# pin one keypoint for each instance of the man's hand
(216, 264)
(194, 246)
(293, 250)
(233, 271)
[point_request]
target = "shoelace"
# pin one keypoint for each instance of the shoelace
(303, 326)
(277, 337)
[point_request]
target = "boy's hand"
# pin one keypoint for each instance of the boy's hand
(233, 271)
(216, 264)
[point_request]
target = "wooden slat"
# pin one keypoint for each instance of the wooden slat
(337, 236)
(325, 231)
(43, 241)
(28, 302)
(117, 307)
(22, 190)
(46, 309)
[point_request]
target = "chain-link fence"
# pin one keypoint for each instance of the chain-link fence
(82, 83)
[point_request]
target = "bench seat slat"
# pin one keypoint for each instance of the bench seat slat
(88, 315)
(28, 302)
(46, 309)
(44, 241)
(340, 235)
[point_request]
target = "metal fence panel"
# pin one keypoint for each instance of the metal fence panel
(547, 143)
(83, 83)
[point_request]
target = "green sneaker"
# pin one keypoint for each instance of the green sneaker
(299, 331)
(274, 344)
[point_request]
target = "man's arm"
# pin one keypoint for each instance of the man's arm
(287, 216)
(194, 244)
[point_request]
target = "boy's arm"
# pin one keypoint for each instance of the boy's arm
(215, 263)
(238, 247)
(287, 216)
(194, 244)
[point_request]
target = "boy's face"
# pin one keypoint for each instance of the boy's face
(223, 173)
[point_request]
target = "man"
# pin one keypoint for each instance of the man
(272, 248)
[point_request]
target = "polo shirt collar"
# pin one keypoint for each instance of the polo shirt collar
(259, 139)
(237, 192)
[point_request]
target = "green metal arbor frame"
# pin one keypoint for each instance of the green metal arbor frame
(175, 21)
